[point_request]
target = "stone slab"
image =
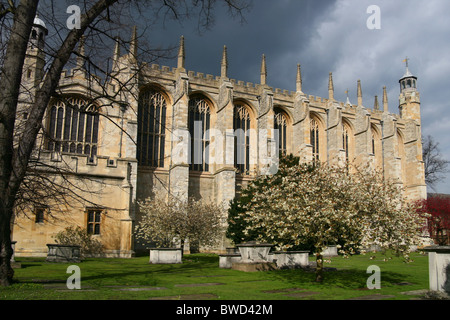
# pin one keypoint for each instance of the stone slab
(254, 267)
(373, 297)
(283, 290)
(415, 292)
(166, 256)
(193, 285)
(304, 294)
(141, 289)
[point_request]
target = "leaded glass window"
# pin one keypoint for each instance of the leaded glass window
(73, 127)
(315, 140)
(151, 129)
(280, 126)
(199, 122)
(241, 124)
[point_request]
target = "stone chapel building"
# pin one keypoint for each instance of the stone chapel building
(173, 131)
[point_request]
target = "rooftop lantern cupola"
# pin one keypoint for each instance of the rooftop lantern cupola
(408, 82)
(38, 33)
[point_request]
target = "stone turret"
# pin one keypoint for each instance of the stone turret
(409, 96)
(35, 58)
(410, 112)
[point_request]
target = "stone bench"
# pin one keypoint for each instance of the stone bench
(166, 256)
(63, 253)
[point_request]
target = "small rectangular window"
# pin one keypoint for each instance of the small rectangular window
(39, 215)
(94, 217)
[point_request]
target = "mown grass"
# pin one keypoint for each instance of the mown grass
(135, 279)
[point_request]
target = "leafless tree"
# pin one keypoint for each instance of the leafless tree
(435, 164)
(101, 22)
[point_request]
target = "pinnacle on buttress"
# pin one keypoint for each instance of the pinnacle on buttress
(134, 44)
(360, 95)
(330, 87)
(299, 79)
(181, 55)
(224, 64)
(116, 54)
(263, 70)
(348, 103)
(385, 100)
(81, 53)
(376, 105)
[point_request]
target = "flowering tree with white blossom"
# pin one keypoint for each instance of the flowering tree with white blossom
(354, 208)
(169, 222)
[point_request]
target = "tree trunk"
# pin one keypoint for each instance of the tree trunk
(6, 271)
(319, 268)
(14, 162)
(10, 80)
(194, 246)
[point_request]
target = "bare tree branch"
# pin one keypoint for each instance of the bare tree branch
(435, 165)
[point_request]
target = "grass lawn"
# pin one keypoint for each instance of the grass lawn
(200, 278)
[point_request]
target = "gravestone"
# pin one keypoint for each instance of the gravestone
(330, 251)
(166, 256)
(252, 252)
(254, 257)
(63, 253)
(14, 263)
(439, 268)
(226, 260)
(291, 259)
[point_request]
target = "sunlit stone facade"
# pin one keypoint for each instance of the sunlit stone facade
(174, 131)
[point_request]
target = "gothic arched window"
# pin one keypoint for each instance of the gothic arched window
(241, 124)
(151, 129)
(346, 131)
(280, 126)
(315, 139)
(374, 149)
(199, 124)
(73, 127)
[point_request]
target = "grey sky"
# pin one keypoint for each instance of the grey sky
(332, 36)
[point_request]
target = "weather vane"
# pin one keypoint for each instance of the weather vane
(406, 61)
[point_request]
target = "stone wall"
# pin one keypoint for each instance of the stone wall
(376, 136)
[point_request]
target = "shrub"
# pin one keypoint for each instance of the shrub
(167, 222)
(77, 236)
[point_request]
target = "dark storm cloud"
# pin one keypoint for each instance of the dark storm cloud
(273, 28)
(332, 36)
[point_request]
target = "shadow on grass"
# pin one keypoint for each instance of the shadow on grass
(136, 271)
(354, 279)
